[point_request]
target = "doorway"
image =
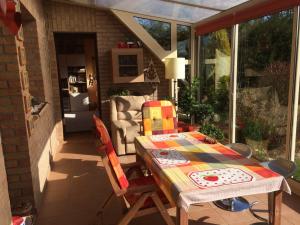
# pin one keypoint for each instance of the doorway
(77, 74)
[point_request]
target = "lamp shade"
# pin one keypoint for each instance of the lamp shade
(175, 68)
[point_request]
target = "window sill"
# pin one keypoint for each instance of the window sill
(37, 109)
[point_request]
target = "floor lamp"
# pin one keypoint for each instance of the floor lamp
(175, 69)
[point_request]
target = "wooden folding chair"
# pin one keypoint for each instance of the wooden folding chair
(140, 196)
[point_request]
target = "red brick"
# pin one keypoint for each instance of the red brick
(3, 84)
(26, 177)
(8, 58)
(11, 163)
(22, 184)
(2, 68)
(14, 84)
(15, 193)
(16, 155)
(7, 40)
(9, 148)
(13, 178)
(10, 49)
(7, 133)
(11, 67)
(14, 171)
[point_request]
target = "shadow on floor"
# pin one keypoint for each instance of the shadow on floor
(78, 185)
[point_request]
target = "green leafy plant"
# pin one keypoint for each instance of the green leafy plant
(187, 96)
(202, 112)
(212, 131)
(112, 91)
(257, 130)
(189, 104)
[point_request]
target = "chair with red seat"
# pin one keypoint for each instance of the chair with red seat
(141, 195)
(159, 117)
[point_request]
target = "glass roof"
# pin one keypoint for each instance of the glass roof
(190, 11)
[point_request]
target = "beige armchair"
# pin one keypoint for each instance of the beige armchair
(126, 119)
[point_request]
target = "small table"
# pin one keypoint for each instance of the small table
(190, 171)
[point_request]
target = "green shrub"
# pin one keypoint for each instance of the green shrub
(202, 112)
(256, 130)
(212, 131)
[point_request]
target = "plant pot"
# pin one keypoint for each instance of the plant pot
(260, 149)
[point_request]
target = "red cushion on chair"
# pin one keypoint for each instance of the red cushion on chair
(132, 198)
(110, 152)
(115, 163)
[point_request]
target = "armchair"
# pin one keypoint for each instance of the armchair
(126, 118)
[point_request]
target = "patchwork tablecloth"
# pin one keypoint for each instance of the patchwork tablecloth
(190, 171)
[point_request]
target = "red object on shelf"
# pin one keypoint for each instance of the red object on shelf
(185, 127)
(11, 19)
(122, 44)
(17, 220)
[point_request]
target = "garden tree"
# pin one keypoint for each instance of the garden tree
(265, 48)
(183, 41)
(218, 40)
(266, 40)
(215, 92)
(189, 104)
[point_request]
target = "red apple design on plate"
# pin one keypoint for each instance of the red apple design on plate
(163, 153)
(211, 178)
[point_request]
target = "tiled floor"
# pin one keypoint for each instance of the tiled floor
(78, 184)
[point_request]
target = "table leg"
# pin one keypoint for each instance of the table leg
(275, 211)
(181, 216)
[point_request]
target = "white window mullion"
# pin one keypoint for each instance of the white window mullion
(233, 83)
(293, 88)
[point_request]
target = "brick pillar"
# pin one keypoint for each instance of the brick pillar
(5, 213)
(15, 116)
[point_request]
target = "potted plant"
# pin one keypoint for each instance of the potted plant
(256, 133)
(114, 91)
(212, 131)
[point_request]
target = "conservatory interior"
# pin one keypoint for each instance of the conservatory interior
(149, 112)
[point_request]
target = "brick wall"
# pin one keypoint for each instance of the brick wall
(13, 119)
(5, 213)
(29, 141)
(47, 132)
(36, 85)
(70, 18)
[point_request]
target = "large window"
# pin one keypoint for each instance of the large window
(183, 41)
(263, 84)
(214, 77)
(160, 31)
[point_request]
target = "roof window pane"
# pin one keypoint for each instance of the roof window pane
(160, 31)
(183, 41)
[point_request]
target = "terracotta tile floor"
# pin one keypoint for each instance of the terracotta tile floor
(78, 184)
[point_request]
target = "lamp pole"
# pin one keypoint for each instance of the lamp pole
(175, 93)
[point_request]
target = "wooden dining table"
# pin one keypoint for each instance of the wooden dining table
(190, 171)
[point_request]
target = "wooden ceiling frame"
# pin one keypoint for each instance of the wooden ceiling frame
(128, 19)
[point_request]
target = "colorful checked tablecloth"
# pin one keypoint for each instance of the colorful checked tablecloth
(190, 171)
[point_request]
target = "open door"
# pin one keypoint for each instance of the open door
(77, 69)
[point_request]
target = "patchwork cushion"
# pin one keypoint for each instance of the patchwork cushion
(110, 152)
(159, 117)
